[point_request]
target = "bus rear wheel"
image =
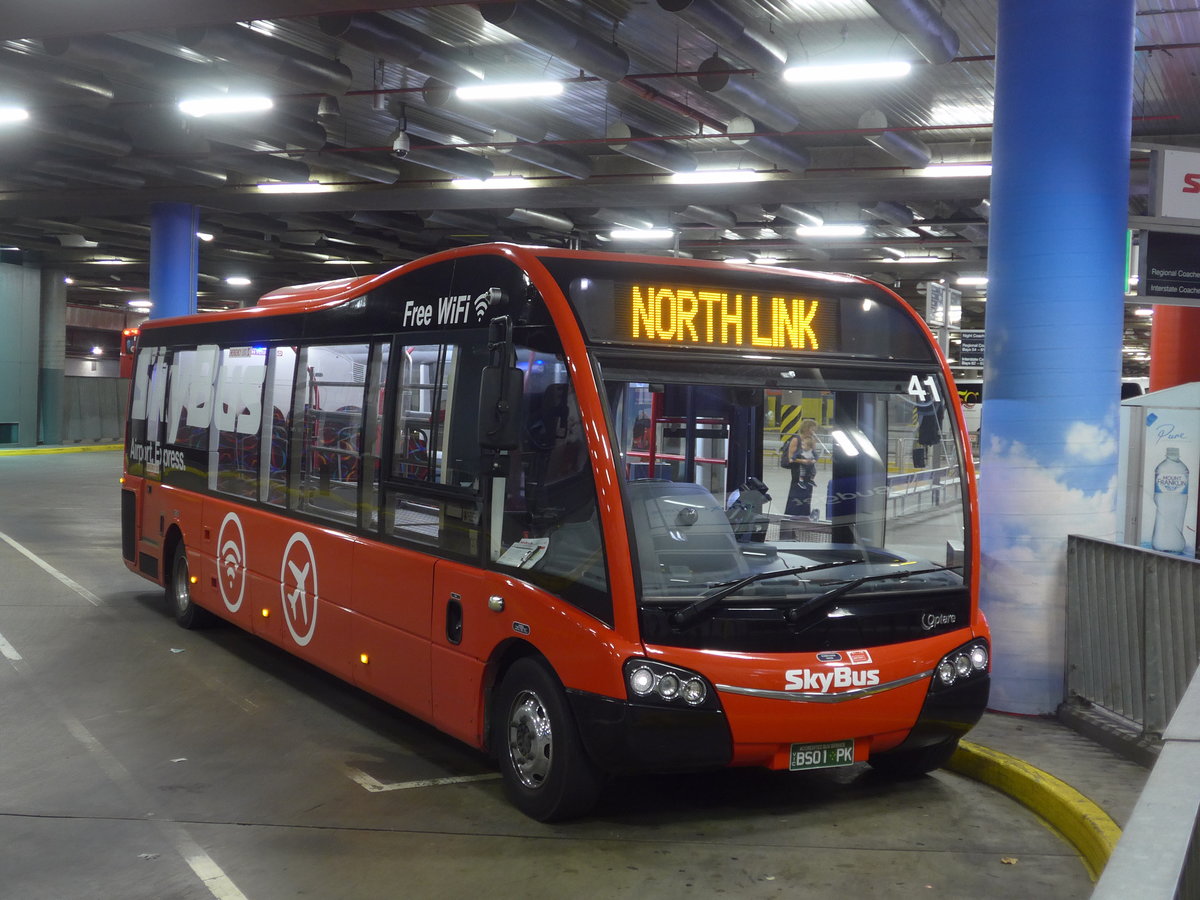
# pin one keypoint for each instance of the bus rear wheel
(916, 762)
(547, 773)
(179, 593)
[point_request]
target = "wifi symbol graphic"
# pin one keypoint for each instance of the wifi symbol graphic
(482, 302)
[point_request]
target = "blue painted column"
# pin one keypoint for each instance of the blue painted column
(1054, 322)
(173, 259)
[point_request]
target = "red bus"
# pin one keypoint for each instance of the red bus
(535, 498)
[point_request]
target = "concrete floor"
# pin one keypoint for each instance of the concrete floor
(138, 760)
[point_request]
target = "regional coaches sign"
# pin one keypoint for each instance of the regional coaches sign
(1171, 266)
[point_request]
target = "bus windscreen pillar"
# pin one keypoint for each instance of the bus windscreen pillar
(173, 259)
(1060, 183)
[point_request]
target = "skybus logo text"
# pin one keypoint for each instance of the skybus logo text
(822, 680)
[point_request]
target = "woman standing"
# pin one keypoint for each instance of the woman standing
(799, 455)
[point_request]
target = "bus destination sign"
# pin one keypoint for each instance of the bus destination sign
(710, 316)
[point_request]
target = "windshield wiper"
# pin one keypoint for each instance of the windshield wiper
(684, 617)
(813, 606)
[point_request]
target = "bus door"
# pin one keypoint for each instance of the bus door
(144, 450)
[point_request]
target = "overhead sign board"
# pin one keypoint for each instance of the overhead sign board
(1170, 266)
(1176, 184)
(970, 354)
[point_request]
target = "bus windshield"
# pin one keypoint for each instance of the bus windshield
(755, 492)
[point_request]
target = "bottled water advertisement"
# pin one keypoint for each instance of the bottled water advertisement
(1169, 487)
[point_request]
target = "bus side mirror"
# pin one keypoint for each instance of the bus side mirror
(501, 389)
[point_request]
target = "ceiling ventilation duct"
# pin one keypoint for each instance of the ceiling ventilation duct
(446, 218)
(451, 160)
(275, 130)
(360, 165)
(100, 139)
(791, 214)
(440, 95)
(262, 165)
(54, 80)
(87, 171)
(106, 52)
(891, 212)
(976, 234)
(398, 43)
(904, 147)
(754, 97)
(542, 221)
(718, 218)
(624, 218)
(268, 56)
(556, 159)
(983, 209)
(922, 25)
(716, 21)
(161, 168)
(662, 154)
(781, 150)
(539, 25)
(388, 221)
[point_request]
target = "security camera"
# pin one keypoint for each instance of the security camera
(401, 144)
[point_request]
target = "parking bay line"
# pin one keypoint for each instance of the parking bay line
(45, 566)
(375, 786)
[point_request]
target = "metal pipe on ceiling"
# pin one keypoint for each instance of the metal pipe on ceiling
(55, 80)
(262, 165)
(370, 167)
(623, 218)
(389, 221)
(556, 159)
(780, 149)
(794, 214)
(105, 52)
(715, 20)
(268, 56)
(922, 25)
(544, 28)
(87, 171)
(708, 215)
(891, 212)
(896, 144)
(276, 129)
(538, 219)
(398, 43)
(57, 128)
(476, 222)
(662, 154)
(451, 160)
(755, 97)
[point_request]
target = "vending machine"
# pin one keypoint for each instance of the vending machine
(1158, 470)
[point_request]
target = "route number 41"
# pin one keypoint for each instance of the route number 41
(917, 388)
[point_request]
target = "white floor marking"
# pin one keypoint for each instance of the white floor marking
(41, 563)
(369, 783)
(8, 651)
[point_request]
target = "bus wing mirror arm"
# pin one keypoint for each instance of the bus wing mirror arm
(501, 388)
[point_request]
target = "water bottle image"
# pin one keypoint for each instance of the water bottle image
(1170, 502)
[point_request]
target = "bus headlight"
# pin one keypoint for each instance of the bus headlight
(962, 664)
(669, 685)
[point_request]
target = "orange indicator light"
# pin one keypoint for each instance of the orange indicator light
(362, 658)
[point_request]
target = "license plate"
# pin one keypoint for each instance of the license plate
(822, 756)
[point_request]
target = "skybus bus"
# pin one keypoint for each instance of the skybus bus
(522, 494)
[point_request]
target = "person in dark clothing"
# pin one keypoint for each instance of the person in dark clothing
(799, 456)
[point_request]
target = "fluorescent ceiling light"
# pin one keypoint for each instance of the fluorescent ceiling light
(67, 279)
(737, 260)
(971, 280)
(348, 262)
(955, 170)
(920, 259)
(716, 176)
(237, 280)
(513, 91)
(293, 187)
(830, 230)
(507, 181)
(641, 234)
(13, 114)
(140, 304)
(846, 72)
(1143, 311)
(204, 236)
(767, 261)
(215, 106)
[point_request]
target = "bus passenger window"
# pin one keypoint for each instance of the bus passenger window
(190, 400)
(237, 419)
(333, 430)
(435, 443)
(277, 426)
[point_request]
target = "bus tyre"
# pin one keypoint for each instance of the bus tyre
(547, 774)
(179, 593)
(916, 762)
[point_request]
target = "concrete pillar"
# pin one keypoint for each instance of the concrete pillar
(173, 259)
(1174, 339)
(1054, 325)
(52, 357)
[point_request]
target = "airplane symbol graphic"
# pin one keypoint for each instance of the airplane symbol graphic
(299, 595)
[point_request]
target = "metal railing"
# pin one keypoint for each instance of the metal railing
(1132, 647)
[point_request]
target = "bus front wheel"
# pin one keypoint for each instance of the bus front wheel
(547, 773)
(179, 593)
